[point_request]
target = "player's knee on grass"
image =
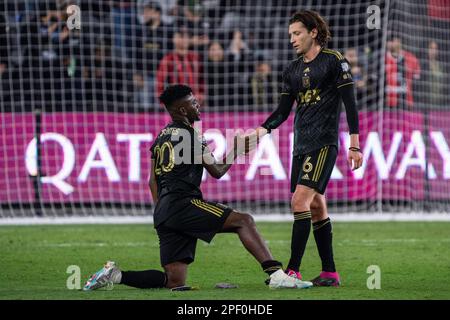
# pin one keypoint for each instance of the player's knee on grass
(174, 281)
(176, 274)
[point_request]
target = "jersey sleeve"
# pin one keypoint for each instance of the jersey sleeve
(344, 84)
(286, 86)
(342, 71)
(287, 98)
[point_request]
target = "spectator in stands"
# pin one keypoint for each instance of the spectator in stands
(166, 9)
(55, 50)
(5, 86)
(219, 77)
(106, 81)
(358, 73)
(402, 70)
(231, 13)
(238, 47)
(51, 33)
(439, 22)
(15, 25)
(181, 66)
(3, 46)
(243, 66)
(189, 13)
(99, 10)
(152, 41)
(123, 16)
(263, 86)
(435, 78)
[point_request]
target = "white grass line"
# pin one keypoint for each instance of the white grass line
(76, 220)
(95, 244)
(350, 217)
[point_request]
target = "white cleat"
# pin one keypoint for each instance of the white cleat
(106, 276)
(280, 279)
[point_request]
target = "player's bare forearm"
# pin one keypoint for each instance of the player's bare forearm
(218, 170)
(354, 140)
(152, 182)
(154, 191)
(241, 145)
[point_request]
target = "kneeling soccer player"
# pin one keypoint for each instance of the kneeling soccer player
(181, 214)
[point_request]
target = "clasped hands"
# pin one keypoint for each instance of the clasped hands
(243, 144)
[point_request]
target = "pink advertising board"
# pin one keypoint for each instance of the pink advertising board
(104, 157)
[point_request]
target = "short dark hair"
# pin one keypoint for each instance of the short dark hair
(313, 20)
(393, 35)
(182, 29)
(174, 93)
(152, 5)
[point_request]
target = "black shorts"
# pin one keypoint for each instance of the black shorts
(314, 169)
(198, 219)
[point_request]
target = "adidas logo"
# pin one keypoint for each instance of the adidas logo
(305, 177)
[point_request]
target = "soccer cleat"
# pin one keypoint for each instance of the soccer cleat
(327, 279)
(106, 276)
(294, 274)
(279, 280)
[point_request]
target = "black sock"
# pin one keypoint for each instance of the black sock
(323, 233)
(300, 234)
(270, 266)
(144, 279)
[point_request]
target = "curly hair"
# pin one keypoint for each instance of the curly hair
(173, 93)
(313, 20)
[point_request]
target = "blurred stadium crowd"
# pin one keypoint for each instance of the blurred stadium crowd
(231, 52)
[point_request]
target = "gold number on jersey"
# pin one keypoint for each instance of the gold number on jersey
(159, 160)
(307, 166)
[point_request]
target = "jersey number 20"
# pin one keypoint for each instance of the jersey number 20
(162, 163)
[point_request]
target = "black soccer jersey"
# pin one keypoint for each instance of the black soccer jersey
(314, 86)
(176, 153)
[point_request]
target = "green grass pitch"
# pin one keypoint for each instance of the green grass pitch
(414, 259)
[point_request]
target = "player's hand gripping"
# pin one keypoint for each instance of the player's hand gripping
(243, 144)
(251, 140)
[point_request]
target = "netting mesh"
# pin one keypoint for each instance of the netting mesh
(79, 107)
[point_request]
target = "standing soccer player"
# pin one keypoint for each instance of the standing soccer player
(317, 80)
(181, 215)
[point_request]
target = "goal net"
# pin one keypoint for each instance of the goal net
(79, 106)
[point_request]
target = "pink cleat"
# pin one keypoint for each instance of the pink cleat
(327, 279)
(294, 274)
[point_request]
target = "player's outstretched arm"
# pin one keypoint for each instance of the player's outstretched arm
(280, 114)
(241, 145)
